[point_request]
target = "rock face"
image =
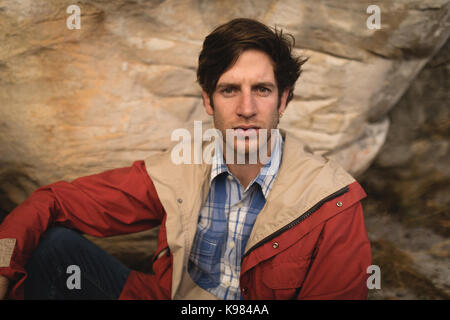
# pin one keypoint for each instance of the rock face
(412, 170)
(77, 102)
(408, 208)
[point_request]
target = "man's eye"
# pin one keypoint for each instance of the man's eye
(263, 91)
(228, 91)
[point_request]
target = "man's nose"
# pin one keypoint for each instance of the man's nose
(247, 105)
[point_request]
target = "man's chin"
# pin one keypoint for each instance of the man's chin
(251, 149)
(246, 152)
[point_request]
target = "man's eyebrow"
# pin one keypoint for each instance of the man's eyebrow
(226, 85)
(265, 84)
(258, 84)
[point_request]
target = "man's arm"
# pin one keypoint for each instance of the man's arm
(343, 254)
(114, 202)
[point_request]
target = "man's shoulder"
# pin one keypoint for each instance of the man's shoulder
(298, 155)
(305, 177)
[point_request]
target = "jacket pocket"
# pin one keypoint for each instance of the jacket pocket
(160, 253)
(286, 275)
(160, 258)
(162, 268)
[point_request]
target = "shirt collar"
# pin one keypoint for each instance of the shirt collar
(267, 173)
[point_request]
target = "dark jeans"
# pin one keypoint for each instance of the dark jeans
(101, 276)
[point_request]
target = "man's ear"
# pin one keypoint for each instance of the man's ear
(207, 103)
(283, 101)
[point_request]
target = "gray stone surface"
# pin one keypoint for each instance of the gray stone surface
(408, 209)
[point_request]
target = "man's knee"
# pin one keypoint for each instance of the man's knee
(60, 234)
(55, 241)
(60, 237)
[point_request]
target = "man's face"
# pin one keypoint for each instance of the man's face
(246, 100)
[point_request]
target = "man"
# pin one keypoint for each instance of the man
(288, 228)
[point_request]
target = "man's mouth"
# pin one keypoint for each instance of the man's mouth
(246, 127)
(246, 130)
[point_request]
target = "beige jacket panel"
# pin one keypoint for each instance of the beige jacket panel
(181, 189)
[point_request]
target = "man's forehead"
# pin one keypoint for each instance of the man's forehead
(251, 66)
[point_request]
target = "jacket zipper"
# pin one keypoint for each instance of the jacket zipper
(298, 220)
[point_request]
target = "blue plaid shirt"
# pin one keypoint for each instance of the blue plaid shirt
(225, 223)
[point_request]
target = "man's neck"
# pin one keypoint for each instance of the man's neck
(245, 173)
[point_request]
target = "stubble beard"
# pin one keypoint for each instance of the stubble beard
(252, 145)
(248, 148)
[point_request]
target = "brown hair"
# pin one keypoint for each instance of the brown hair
(225, 44)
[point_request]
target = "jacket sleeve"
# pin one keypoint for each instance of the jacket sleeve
(114, 202)
(342, 255)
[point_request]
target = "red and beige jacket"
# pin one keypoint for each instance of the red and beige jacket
(308, 242)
